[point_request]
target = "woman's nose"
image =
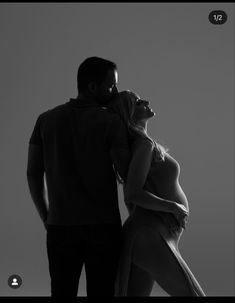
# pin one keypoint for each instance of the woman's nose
(146, 102)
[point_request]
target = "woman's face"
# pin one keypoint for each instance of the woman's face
(142, 110)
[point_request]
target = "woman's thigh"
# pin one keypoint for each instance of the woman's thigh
(140, 282)
(152, 254)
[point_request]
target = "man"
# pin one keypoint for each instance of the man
(79, 145)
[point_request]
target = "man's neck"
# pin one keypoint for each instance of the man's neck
(87, 99)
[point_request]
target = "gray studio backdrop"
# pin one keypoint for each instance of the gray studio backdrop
(170, 54)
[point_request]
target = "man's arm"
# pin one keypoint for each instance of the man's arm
(35, 174)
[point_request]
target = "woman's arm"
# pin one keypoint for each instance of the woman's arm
(136, 178)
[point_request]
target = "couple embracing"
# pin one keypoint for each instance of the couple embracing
(81, 149)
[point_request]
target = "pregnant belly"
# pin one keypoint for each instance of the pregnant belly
(159, 221)
(171, 192)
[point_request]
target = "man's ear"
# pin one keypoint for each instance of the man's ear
(92, 87)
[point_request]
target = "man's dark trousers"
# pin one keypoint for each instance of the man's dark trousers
(97, 246)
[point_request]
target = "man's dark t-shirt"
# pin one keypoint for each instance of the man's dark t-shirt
(76, 138)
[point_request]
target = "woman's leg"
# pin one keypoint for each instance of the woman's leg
(140, 282)
(152, 254)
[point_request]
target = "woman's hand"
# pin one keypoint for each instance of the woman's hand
(181, 214)
(183, 222)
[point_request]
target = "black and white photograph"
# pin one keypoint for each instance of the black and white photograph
(117, 149)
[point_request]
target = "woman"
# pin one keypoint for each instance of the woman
(158, 211)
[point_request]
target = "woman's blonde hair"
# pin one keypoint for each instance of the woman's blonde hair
(124, 104)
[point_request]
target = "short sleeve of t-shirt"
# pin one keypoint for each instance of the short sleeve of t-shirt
(36, 134)
(117, 133)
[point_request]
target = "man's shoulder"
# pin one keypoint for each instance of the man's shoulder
(111, 116)
(102, 113)
(52, 111)
(104, 116)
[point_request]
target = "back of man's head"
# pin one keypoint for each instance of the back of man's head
(93, 69)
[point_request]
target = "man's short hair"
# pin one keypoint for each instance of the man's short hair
(93, 69)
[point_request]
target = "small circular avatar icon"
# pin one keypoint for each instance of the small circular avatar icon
(14, 281)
